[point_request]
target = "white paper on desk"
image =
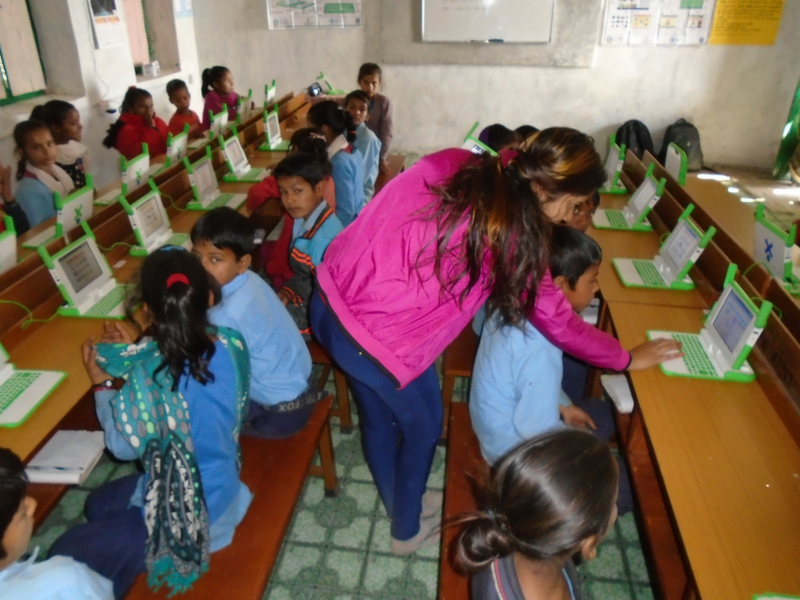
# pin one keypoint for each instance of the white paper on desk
(616, 386)
(591, 313)
(68, 457)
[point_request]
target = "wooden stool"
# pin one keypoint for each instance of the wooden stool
(319, 356)
(457, 361)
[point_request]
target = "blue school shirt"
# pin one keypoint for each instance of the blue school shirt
(213, 417)
(516, 387)
(300, 226)
(348, 175)
(280, 364)
(36, 200)
(370, 147)
(59, 578)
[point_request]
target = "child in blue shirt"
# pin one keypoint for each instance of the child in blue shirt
(281, 396)
(60, 578)
(516, 382)
(357, 104)
(301, 181)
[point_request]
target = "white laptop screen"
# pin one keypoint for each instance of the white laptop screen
(612, 163)
(81, 266)
(273, 127)
(150, 215)
(235, 153)
(643, 195)
(681, 243)
(732, 320)
(204, 178)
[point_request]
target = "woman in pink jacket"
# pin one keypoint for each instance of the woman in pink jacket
(402, 281)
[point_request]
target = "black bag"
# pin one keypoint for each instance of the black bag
(14, 210)
(687, 138)
(636, 136)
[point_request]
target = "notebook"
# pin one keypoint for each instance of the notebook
(85, 280)
(634, 215)
(178, 145)
(720, 350)
(327, 87)
(614, 160)
(474, 145)
(151, 224)
(206, 188)
(274, 143)
(676, 163)
(68, 457)
(21, 391)
(70, 212)
(8, 246)
(670, 267)
(773, 248)
(238, 163)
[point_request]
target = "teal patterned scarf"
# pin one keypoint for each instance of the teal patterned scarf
(155, 420)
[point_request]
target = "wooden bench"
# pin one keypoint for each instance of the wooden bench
(457, 361)
(465, 466)
(275, 471)
(320, 356)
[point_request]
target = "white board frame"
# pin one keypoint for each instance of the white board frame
(503, 21)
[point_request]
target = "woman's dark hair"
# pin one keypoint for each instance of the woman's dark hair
(13, 488)
(54, 112)
(174, 85)
(305, 166)
(332, 114)
(369, 69)
(506, 223)
(21, 132)
(311, 141)
(499, 136)
(526, 131)
(210, 77)
(180, 323)
(132, 96)
(226, 228)
(356, 95)
(595, 199)
(572, 252)
(544, 498)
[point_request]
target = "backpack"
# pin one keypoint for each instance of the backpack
(687, 138)
(636, 136)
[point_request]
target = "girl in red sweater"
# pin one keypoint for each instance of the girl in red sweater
(137, 125)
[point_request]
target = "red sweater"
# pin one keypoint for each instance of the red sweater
(177, 122)
(135, 133)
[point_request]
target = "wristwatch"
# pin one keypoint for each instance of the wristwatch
(108, 384)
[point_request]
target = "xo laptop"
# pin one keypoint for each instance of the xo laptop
(8, 246)
(474, 145)
(70, 212)
(206, 188)
(773, 248)
(634, 215)
(614, 160)
(151, 224)
(21, 391)
(238, 163)
(272, 127)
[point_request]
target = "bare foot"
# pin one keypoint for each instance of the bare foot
(431, 503)
(428, 534)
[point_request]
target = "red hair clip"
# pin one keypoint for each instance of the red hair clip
(177, 278)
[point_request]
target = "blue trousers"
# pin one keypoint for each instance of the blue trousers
(399, 427)
(113, 541)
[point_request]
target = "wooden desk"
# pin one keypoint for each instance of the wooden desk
(730, 468)
(735, 217)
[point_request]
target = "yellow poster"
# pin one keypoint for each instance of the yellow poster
(740, 22)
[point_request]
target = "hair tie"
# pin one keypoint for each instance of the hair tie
(316, 136)
(177, 278)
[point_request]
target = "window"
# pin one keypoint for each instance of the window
(152, 34)
(20, 65)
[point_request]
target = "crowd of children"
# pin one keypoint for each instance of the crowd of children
(384, 287)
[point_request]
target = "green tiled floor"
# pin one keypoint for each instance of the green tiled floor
(338, 548)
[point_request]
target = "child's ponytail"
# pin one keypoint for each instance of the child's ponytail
(482, 541)
(351, 128)
(210, 77)
(311, 141)
(332, 114)
(21, 133)
(128, 102)
(176, 290)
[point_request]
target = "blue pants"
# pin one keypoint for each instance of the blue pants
(113, 541)
(399, 428)
(576, 373)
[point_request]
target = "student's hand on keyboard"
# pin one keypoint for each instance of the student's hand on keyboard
(654, 353)
(576, 417)
(95, 372)
(116, 333)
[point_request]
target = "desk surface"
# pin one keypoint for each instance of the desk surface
(736, 218)
(633, 244)
(730, 468)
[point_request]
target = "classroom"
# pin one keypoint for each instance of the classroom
(449, 299)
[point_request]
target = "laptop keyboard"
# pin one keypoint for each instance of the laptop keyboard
(695, 357)
(107, 304)
(616, 219)
(221, 200)
(177, 239)
(15, 387)
(253, 174)
(648, 272)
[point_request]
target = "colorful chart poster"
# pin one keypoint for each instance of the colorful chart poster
(662, 22)
(107, 24)
(294, 14)
(745, 22)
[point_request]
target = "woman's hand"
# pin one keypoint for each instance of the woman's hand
(654, 353)
(95, 372)
(116, 333)
(576, 417)
(384, 168)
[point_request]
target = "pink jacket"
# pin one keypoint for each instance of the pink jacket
(377, 278)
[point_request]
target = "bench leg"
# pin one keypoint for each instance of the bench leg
(343, 399)
(448, 385)
(323, 379)
(327, 469)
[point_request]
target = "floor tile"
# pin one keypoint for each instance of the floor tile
(602, 590)
(423, 580)
(385, 576)
(608, 563)
(355, 535)
(306, 529)
(299, 566)
(342, 571)
(637, 565)
(627, 528)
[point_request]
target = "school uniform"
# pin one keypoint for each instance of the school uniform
(73, 157)
(347, 166)
(213, 104)
(370, 147)
(35, 192)
(178, 122)
(499, 581)
(281, 397)
(380, 122)
(136, 132)
(59, 578)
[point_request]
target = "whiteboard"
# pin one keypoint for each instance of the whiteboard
(510, 21)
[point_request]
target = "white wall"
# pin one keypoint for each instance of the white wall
(78, 73)
(738, 96)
